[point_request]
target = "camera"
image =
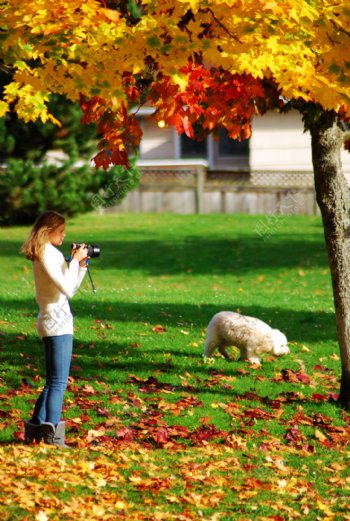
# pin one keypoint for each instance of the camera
(92, 250)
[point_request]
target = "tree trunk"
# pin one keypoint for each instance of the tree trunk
(333, 198)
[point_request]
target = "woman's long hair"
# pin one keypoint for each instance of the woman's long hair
(33, 248)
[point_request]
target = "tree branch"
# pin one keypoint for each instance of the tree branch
(340, 28)
(208, 10)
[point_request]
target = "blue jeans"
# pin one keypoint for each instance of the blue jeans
(58, 355)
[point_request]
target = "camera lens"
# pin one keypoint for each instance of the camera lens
(93, 251)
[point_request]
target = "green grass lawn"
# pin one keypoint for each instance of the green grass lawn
(157, 431)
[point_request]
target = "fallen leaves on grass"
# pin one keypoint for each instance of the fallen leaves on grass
(137, 443)
(101, 325)
(212, 482)
(290, 376)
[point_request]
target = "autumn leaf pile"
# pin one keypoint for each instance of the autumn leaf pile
(155, 430)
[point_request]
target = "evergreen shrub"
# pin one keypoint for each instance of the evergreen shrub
(27, 189)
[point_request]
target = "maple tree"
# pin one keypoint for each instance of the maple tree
(203, 65)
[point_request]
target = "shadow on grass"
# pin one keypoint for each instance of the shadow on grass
(113, 364)
(23, 360)
(21, 356)
(202, 255)
(299, 325)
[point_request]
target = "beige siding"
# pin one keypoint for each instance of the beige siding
(156, 143)
(280, 143)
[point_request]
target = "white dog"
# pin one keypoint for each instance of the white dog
(251, 335)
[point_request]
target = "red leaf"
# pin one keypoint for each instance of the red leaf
(102, 160)
(125, 433)
(319, 397)
(19, 436)
(257, 413)
(333, 396)
(161, 436)
(288, 375)
(207, 432)
(102, 412)
(76, 368)
(178, 431)
(294, 436)
(159, 329)
(88, 389)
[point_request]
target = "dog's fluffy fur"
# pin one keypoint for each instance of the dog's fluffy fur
(251, 335)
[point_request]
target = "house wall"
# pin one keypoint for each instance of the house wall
(279, 142)
(156, 143)
(280, 181)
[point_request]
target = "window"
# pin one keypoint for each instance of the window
(230, 154)
(223, 154)
(232, 147)
(192, 149)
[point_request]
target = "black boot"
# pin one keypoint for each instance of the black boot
(52, 435)
(32, 432)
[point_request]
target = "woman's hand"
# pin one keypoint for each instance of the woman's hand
(80, 254)
(84, 263)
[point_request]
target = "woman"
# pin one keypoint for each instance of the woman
(55, 282)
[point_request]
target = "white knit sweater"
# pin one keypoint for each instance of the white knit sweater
(55, 282)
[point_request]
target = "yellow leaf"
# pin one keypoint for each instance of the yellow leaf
(193, 4)
(41, 516)
(136, 479)
(181, 81)
(320, 436)
(282, 483)
(4, 107)
(172, 498)
(120, 505)
(111, 14)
